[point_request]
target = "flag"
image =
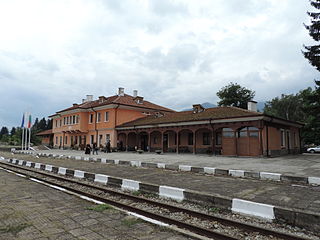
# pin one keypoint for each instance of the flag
(22, 124)
(29, 122)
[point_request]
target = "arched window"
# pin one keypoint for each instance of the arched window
(227, 132)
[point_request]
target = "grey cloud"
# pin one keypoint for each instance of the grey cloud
(167, 7)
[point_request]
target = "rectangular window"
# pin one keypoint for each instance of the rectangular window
(56, 140)
(66, 140)
(91, 118)
(206, 138)
(106, 117)
(60, 123)
(98, 117)
(218, 138)
(73, 119)
(91, 139)
(64, 121)
(155, 140)
(107, 138)
(60, 141)
(70, 120)
(56, 123)
(77, 119)
(283, 138)
(190, 138)
(100, 140)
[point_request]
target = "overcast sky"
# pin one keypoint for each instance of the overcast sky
(175, 53)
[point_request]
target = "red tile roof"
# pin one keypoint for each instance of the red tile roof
(46, 132)
(122, 100)
(209, 113)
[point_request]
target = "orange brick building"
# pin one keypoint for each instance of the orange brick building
(130, 123)
(96, 120)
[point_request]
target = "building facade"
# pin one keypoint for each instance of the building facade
(95, 120)
(130, 123)
(225, 131)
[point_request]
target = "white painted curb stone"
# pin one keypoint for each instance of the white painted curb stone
(185, 168)
(270, 176)
(28, 164)
(236, 173)
(171, 192)
(79, 174)
(20, 162)
(209, 170)
(161, 165)
(78, 158)
(62, 170)
(252, 208)
(48, 168)
(103, 160)
(37, 165)
(131, 185)
(135, 163)
(100, 178)
(116, 161)
(314, 180)
(86, 158)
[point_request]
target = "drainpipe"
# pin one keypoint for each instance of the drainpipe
(115, 122)
(212, 138)
(95, 125)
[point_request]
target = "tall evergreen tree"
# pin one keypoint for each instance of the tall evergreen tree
(4, 132)
(312, 53)
(13, 131)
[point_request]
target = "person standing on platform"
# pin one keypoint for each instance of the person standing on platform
(94, 148)
(87, 149)
(108, 147)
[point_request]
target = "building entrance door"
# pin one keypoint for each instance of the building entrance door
(165, 142)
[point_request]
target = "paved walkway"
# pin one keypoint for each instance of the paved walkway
(32, 211)
(298, 165)
(274, 193)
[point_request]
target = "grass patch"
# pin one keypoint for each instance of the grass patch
(14, 229)
(136, 193)
(99, 207)
(130, 221)
(214, 210)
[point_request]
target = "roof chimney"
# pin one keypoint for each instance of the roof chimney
(83, 100)
(135, 93)
(75, 104)
(121, 91)
(89, 98)
(252, 106)
(101, 99)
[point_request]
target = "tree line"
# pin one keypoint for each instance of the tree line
(13, 137)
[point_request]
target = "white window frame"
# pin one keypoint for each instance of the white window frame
(98, 117)
(106, 116)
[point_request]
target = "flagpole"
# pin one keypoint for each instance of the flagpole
(29, 138)
(26, 134)
(29, 127)
(22, 138)
(22, 127)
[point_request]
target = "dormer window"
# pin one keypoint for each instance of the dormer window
(197, 108)
(138, 100)
(159, 114)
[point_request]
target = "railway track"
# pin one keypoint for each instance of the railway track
(159, 211)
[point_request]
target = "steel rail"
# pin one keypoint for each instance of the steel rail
(201, 231)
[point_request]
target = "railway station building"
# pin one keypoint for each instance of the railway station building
(131, 123)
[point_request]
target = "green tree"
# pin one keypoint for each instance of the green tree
(4, 132)
(289, 107)
(235, 95)
(312, 104)
(13, 131)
